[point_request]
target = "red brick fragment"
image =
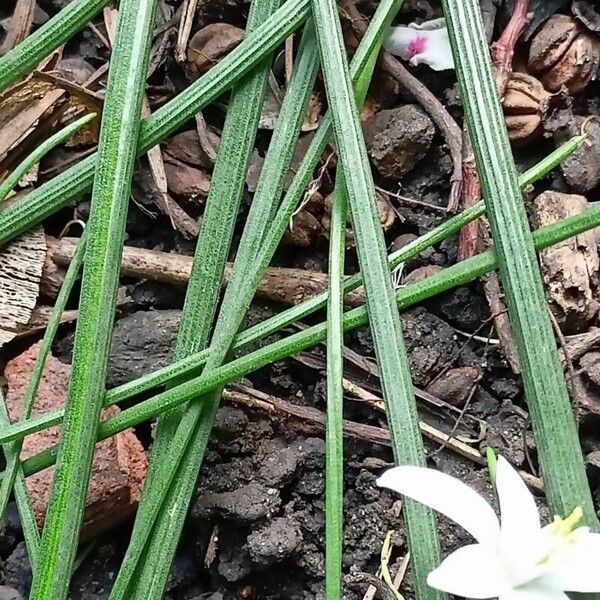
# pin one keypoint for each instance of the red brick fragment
(119, 465)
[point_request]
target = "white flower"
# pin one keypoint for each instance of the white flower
(426, 43)
(514, 558)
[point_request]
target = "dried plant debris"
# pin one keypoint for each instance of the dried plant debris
(21, 264)
(571, 268)
(525, 103)
(564, 53)
(211, 43)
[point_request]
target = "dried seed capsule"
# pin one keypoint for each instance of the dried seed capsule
(525, 102)
(564, 52)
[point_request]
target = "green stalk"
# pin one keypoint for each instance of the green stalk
(460, 274)
(553, 423)
(13, 466)
(55, 140)
(110, 196)
(248, 269)
(28, 522)
(61, 191)
(190, 366)
(157, 542)
(334, 433)
(53, 34)
(384, 321)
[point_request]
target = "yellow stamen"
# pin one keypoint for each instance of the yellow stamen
(565, 526)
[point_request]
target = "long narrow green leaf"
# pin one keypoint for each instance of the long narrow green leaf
(26, 514)
(65, 188)
(110, 196)
(190, 366)
(58, 138)
(158, 541)
(384, 321)
(334, 433)
(25, 57)
(451, 277)
(553, 423)
(13, 472)
(191, 438)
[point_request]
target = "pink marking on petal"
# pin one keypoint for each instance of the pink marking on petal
(417, 46)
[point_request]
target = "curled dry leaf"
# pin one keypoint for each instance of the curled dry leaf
(305, 228)
(524, 103)
(186, 147)
(455, 385)
(185, 180)
(564, 52)
(21, 264)
(211, 43)
(570, 268)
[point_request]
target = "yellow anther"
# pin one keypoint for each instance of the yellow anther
(565, 526)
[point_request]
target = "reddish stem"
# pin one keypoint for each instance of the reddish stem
(502, 52)
(504, 48)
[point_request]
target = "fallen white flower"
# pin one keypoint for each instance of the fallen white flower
(514, 558)
(426, 43)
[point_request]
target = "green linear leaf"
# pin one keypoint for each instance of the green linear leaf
(13, 475)
(62, 190)
(460, 274)
(553, 423)
(190, 366)
(156, 541)
(334, 433)
(106, 229)
(384, 321)
(26, 56)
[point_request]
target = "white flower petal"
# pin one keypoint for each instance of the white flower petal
(446, 495)
(472, 571)
(575, 569)
(398, 41)
(430, 25)
(533, 591)
(519, 517)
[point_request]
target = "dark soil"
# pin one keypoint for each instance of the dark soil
(256, 527)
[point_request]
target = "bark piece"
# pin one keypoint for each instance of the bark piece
(119, 465)
(21, 264)
(570, 268)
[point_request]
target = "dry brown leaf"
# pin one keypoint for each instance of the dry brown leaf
(211, 43)
(19, 26)
(571, 269)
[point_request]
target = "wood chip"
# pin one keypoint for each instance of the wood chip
(21, 264)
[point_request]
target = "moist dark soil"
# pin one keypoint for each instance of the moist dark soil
(255, 529)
